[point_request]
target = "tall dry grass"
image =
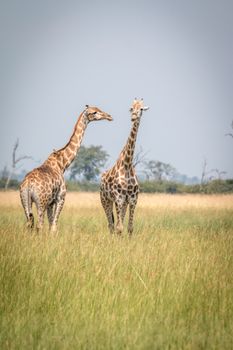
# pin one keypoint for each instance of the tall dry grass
(169, 287)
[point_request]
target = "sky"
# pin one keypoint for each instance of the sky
(58, 56)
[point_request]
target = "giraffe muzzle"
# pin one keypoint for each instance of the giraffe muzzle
(109, 117)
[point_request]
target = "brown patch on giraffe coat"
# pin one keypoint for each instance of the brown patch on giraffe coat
(60, 164)
(75, 139)
(80, 128)
(72, 146)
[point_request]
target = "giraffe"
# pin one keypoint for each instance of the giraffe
(45, 185)
(119, 185)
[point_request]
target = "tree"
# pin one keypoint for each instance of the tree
(158, 170)
(89, 162)
(204, 172)
(139, 157)
(207, 175)
(15, 161)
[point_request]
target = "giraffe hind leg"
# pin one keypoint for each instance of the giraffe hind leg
(41, 207)
(27, 206)
(50, 214)
(30, 222)
(40, 223)
(57, 210)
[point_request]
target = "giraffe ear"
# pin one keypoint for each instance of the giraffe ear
(145, 108)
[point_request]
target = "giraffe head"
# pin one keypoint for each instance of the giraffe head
(137, 109)
(94, 113)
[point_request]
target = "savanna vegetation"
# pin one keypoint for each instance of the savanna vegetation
(152, 186)
(154, 176)
(168, 287)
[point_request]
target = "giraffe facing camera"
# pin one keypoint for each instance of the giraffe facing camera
(119, 185)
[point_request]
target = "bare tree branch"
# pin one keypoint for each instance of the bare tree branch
(21, 158)
(206, 172)
(203, 173)
(14, 162)
(16, 145)
(219, 173)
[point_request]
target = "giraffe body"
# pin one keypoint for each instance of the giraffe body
(119, 185)
(45, 185)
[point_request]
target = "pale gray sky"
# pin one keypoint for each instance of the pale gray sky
(57, 56)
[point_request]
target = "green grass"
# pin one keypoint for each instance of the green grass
(169, 287)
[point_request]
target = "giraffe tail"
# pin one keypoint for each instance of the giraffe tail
(26, 200)
(113, 219)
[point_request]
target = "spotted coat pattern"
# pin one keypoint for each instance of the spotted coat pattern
(45, 185)
(119, 185)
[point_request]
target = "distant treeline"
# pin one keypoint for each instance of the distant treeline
(214, 186)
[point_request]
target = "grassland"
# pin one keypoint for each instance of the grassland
(169, 287)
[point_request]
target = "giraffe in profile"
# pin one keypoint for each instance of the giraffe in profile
(119, 185)
(45, 185)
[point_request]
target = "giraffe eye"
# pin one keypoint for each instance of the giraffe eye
(95, 113)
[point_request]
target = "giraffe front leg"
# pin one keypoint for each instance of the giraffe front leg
(132, 207)
(108, 208)
(123, 211)
(119, 204)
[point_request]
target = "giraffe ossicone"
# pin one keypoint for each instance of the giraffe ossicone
(119, 185)
(45, 185)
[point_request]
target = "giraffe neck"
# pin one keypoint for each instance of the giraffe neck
(64, 157)
(127, 153)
